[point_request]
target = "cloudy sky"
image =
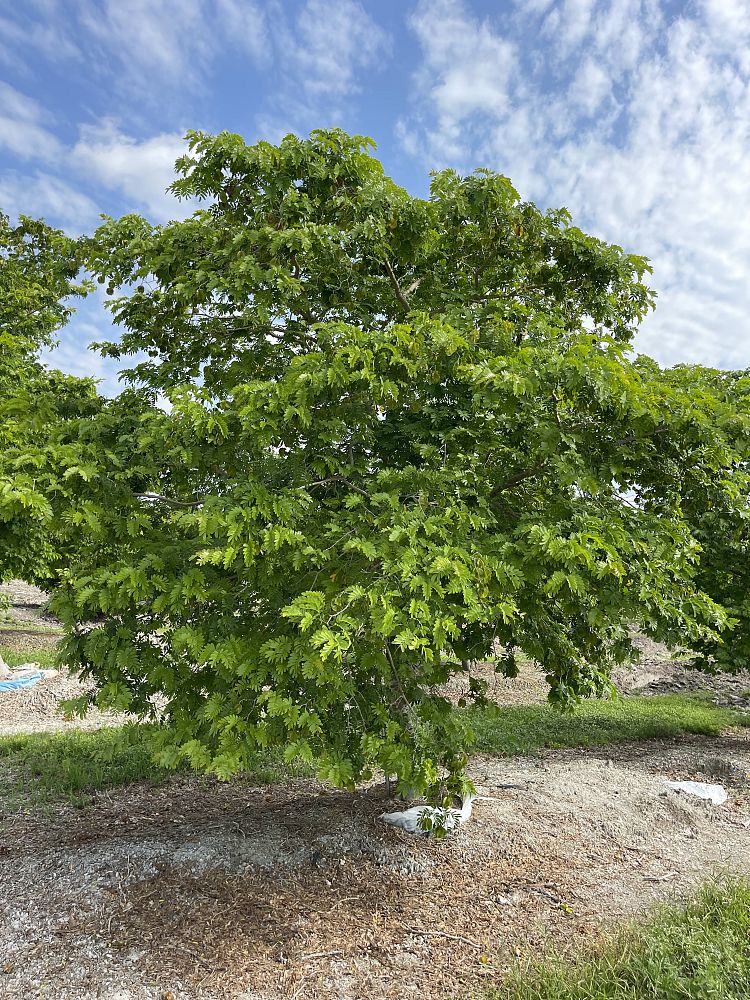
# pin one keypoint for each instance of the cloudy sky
(635, 114)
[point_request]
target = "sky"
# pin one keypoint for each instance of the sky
(633, 114)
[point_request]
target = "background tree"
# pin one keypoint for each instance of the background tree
(718, 511)
(403, 433)
(38, 270)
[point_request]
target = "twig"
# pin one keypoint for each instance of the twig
(520, 477)
(340, 902)
(168, 500)
(660, 878)
(336, 479)
(298, 990)
(543, 892)
(319, 954)
(196, 956)
(453, 937)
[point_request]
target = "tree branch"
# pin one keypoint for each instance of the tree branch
(396, 287)
(336, 479)
(520, 477)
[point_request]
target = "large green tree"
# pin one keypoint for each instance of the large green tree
(38, 283)
(402, 433)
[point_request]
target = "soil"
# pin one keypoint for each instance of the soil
(28, 606)
(37, 708)
(201, 890)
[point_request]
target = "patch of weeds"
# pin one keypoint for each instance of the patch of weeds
(513, 730)
(14, 626)
(268, 767)
(702, 951)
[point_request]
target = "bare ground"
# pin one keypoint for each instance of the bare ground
(197, 890)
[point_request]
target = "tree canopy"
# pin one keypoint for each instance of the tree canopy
(38, 271)
(401, 433)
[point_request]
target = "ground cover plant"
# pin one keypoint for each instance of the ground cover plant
(36, 768)
(403, 434)
(700, 951)
(41, 768)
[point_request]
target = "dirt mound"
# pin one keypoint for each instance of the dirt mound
(658, 673)
(26, 605)
(36, 709)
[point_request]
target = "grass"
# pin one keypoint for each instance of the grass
(37, 768)
(527, 729)
(701, 952)
(15, 657)
(28, 628)
(40, 767)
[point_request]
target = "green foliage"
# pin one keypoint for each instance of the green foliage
(403, 433)
(512, 730)
(700, 952)
(38, 268)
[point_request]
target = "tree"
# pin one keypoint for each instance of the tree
(38, 271)
(402, 433)
(718, 511)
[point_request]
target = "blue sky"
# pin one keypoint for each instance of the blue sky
(635, 114)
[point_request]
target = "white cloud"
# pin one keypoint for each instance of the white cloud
(134, 172)
(47, 35)
(466, 65)
(335, 39)
(641, 127)
(151, 39)
(243, 24)
(21, 126)
(151, 49)
(139, 170)
(590, 87)
(44, 196)
(318, 59)
(568, 24)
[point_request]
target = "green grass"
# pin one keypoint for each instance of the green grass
(39, 768)
(699, 953)
(15, 657)
(527, 729)
(28, 628)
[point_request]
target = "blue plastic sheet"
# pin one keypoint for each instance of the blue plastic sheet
(20, 682)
